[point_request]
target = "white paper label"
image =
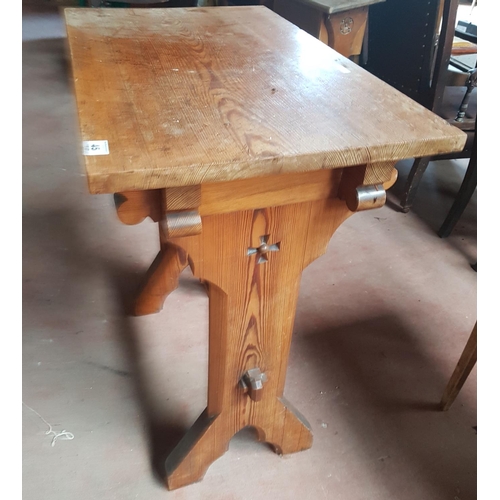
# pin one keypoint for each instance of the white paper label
(93, 148)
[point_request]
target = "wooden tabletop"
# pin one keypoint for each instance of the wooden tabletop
(193, 95)
(334, 6)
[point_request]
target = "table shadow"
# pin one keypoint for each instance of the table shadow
(60, 270)
(386, 389)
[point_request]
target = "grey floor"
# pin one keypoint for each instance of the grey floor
(381, 322)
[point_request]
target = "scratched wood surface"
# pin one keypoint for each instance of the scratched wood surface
(187, 96)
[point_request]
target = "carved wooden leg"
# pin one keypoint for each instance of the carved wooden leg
(414, 177)
(464, 367)
(208, 439)
(253, 262)
(161, 279)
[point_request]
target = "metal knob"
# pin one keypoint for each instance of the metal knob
(252, 383)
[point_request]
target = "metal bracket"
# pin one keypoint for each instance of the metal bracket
(264, 249)
(180, 224)
(368, 197)
(252, 383)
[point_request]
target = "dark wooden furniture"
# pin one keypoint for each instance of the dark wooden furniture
(410, 44)
(464, 366)
(341, 24)
(463, 197)
(250, 142)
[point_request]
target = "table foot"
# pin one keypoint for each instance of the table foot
(209, 437)
(289, 433)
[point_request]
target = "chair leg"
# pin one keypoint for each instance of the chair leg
(465, 364)
(414, 177)
(463, 197)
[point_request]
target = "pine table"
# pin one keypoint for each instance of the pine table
(249, 142)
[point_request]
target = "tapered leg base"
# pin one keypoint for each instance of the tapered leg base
(209, 437)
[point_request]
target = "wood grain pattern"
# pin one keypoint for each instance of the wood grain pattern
(251, 316)
(244, 194)
(190, 96)
(394, 177)
(181, 198)
(275, 190)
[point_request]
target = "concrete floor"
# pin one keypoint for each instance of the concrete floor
(381, 322)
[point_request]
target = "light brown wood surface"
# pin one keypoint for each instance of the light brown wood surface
(244, 194)
(190, 96)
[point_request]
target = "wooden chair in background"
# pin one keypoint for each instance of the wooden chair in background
(411, 46)
(465, 365)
